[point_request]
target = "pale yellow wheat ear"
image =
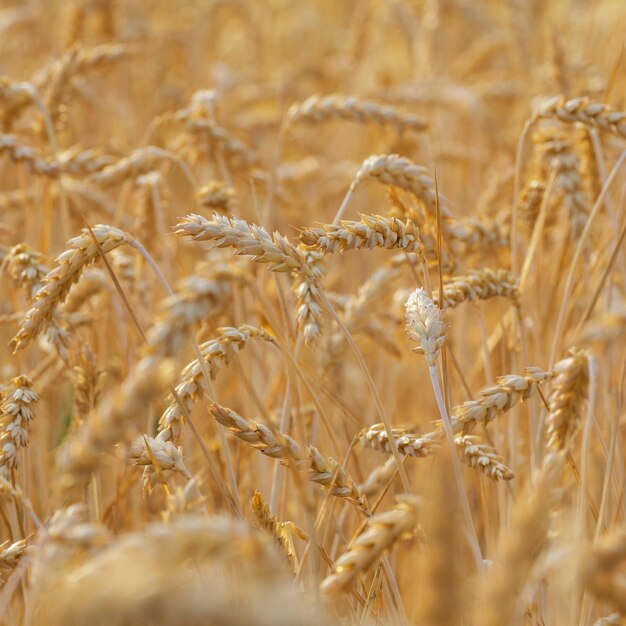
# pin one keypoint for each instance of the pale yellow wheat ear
(81, 251)
(281, 532)
(217, 354)
(585, 111)
(372, 231)
(383, 530)
(479, 285)
(397, 171)
(569, 391)
(318, 109)
(306, 266)
(425, 325)
(408, 444)
(322, 469)
(16, 413)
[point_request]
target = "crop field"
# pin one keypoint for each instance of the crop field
(312, 312)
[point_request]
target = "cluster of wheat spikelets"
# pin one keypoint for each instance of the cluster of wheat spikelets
(312, 313)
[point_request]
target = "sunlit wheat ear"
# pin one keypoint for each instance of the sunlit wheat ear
(382, 532)
(139, 162)
(11, 553)
(318, 109)
(397, 171)
(30, 157)
(322, 469)
(425, 325)
(585, 111)
(569, 391)
(306, 266)
(168, 457)
(408, 444)
(475, 234)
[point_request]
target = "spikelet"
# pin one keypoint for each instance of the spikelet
(382, 532)
(317, 109)
(323, 470)
(567, 398)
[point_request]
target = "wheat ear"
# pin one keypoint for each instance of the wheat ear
(382, 532)
(587, 112)
(317, 109)
(16, 413)
(567, 398)
(323, 470)
(371, 231)
(81, 251)
(217, 354)
(479, 285)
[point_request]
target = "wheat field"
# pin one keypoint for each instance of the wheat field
(312, 312)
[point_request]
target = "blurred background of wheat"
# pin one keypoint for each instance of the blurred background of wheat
(131, 491)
